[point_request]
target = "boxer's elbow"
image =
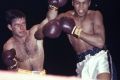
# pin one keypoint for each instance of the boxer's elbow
(100, 43)
(104, 76)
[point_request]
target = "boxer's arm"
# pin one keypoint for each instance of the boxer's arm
(38, 31)
(98, 38)
(66, 14)
(8, 56)
(52, 13)
(104, 76)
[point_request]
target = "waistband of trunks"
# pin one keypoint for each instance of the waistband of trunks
(92, 52)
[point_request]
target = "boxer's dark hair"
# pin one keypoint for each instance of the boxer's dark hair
(12, 14)
(88, 0)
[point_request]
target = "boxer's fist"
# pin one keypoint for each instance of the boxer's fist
(57, 3)
(68, 26)
(52, 29)
(9, 59)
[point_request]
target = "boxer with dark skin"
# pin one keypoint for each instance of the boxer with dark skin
(88, 34)
(23, 51)
(85, 30)
(90, 28)
(90, 22)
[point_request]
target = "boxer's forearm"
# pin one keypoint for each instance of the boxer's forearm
(52, 14)
(93, 39)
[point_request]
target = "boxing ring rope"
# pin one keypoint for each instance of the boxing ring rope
(9, 75)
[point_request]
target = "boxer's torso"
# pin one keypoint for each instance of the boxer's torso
(87, 25)
(30, 53)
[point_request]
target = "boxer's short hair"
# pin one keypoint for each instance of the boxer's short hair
(13, 14)
(88, 0)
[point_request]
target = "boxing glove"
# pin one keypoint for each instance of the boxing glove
(52, 29)
(69, 27)
(56, 3)
(9, 59)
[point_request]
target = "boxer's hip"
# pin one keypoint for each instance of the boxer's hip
(92, 52)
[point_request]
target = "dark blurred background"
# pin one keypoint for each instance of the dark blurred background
(60, 58)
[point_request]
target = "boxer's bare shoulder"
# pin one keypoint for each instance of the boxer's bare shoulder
(98, 16)
(66, 14)
(95, 14)
(8, 44)
(70, 12)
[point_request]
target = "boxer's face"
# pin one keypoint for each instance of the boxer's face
(81, 6)
(18, 27)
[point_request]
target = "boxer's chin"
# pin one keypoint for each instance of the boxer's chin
(81, 14)
(22, 34)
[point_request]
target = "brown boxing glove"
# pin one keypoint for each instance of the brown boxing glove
(55, 4)
(69, 27)
(52, 29)
(9, 59)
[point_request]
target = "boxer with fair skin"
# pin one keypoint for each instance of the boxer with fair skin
(87, 37)
(23, 51)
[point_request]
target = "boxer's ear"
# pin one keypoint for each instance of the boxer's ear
(89, 2)
(9, 27)
(72, 2)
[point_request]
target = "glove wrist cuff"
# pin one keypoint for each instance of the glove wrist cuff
(76, 31)
(53, 7)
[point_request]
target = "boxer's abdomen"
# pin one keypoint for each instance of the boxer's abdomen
(32, 63)
(79, 45)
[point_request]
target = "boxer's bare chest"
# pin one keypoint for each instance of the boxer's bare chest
(87, 26)
(26, 49)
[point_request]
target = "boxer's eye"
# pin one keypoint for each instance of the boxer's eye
(17, 25)
(76, 3)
